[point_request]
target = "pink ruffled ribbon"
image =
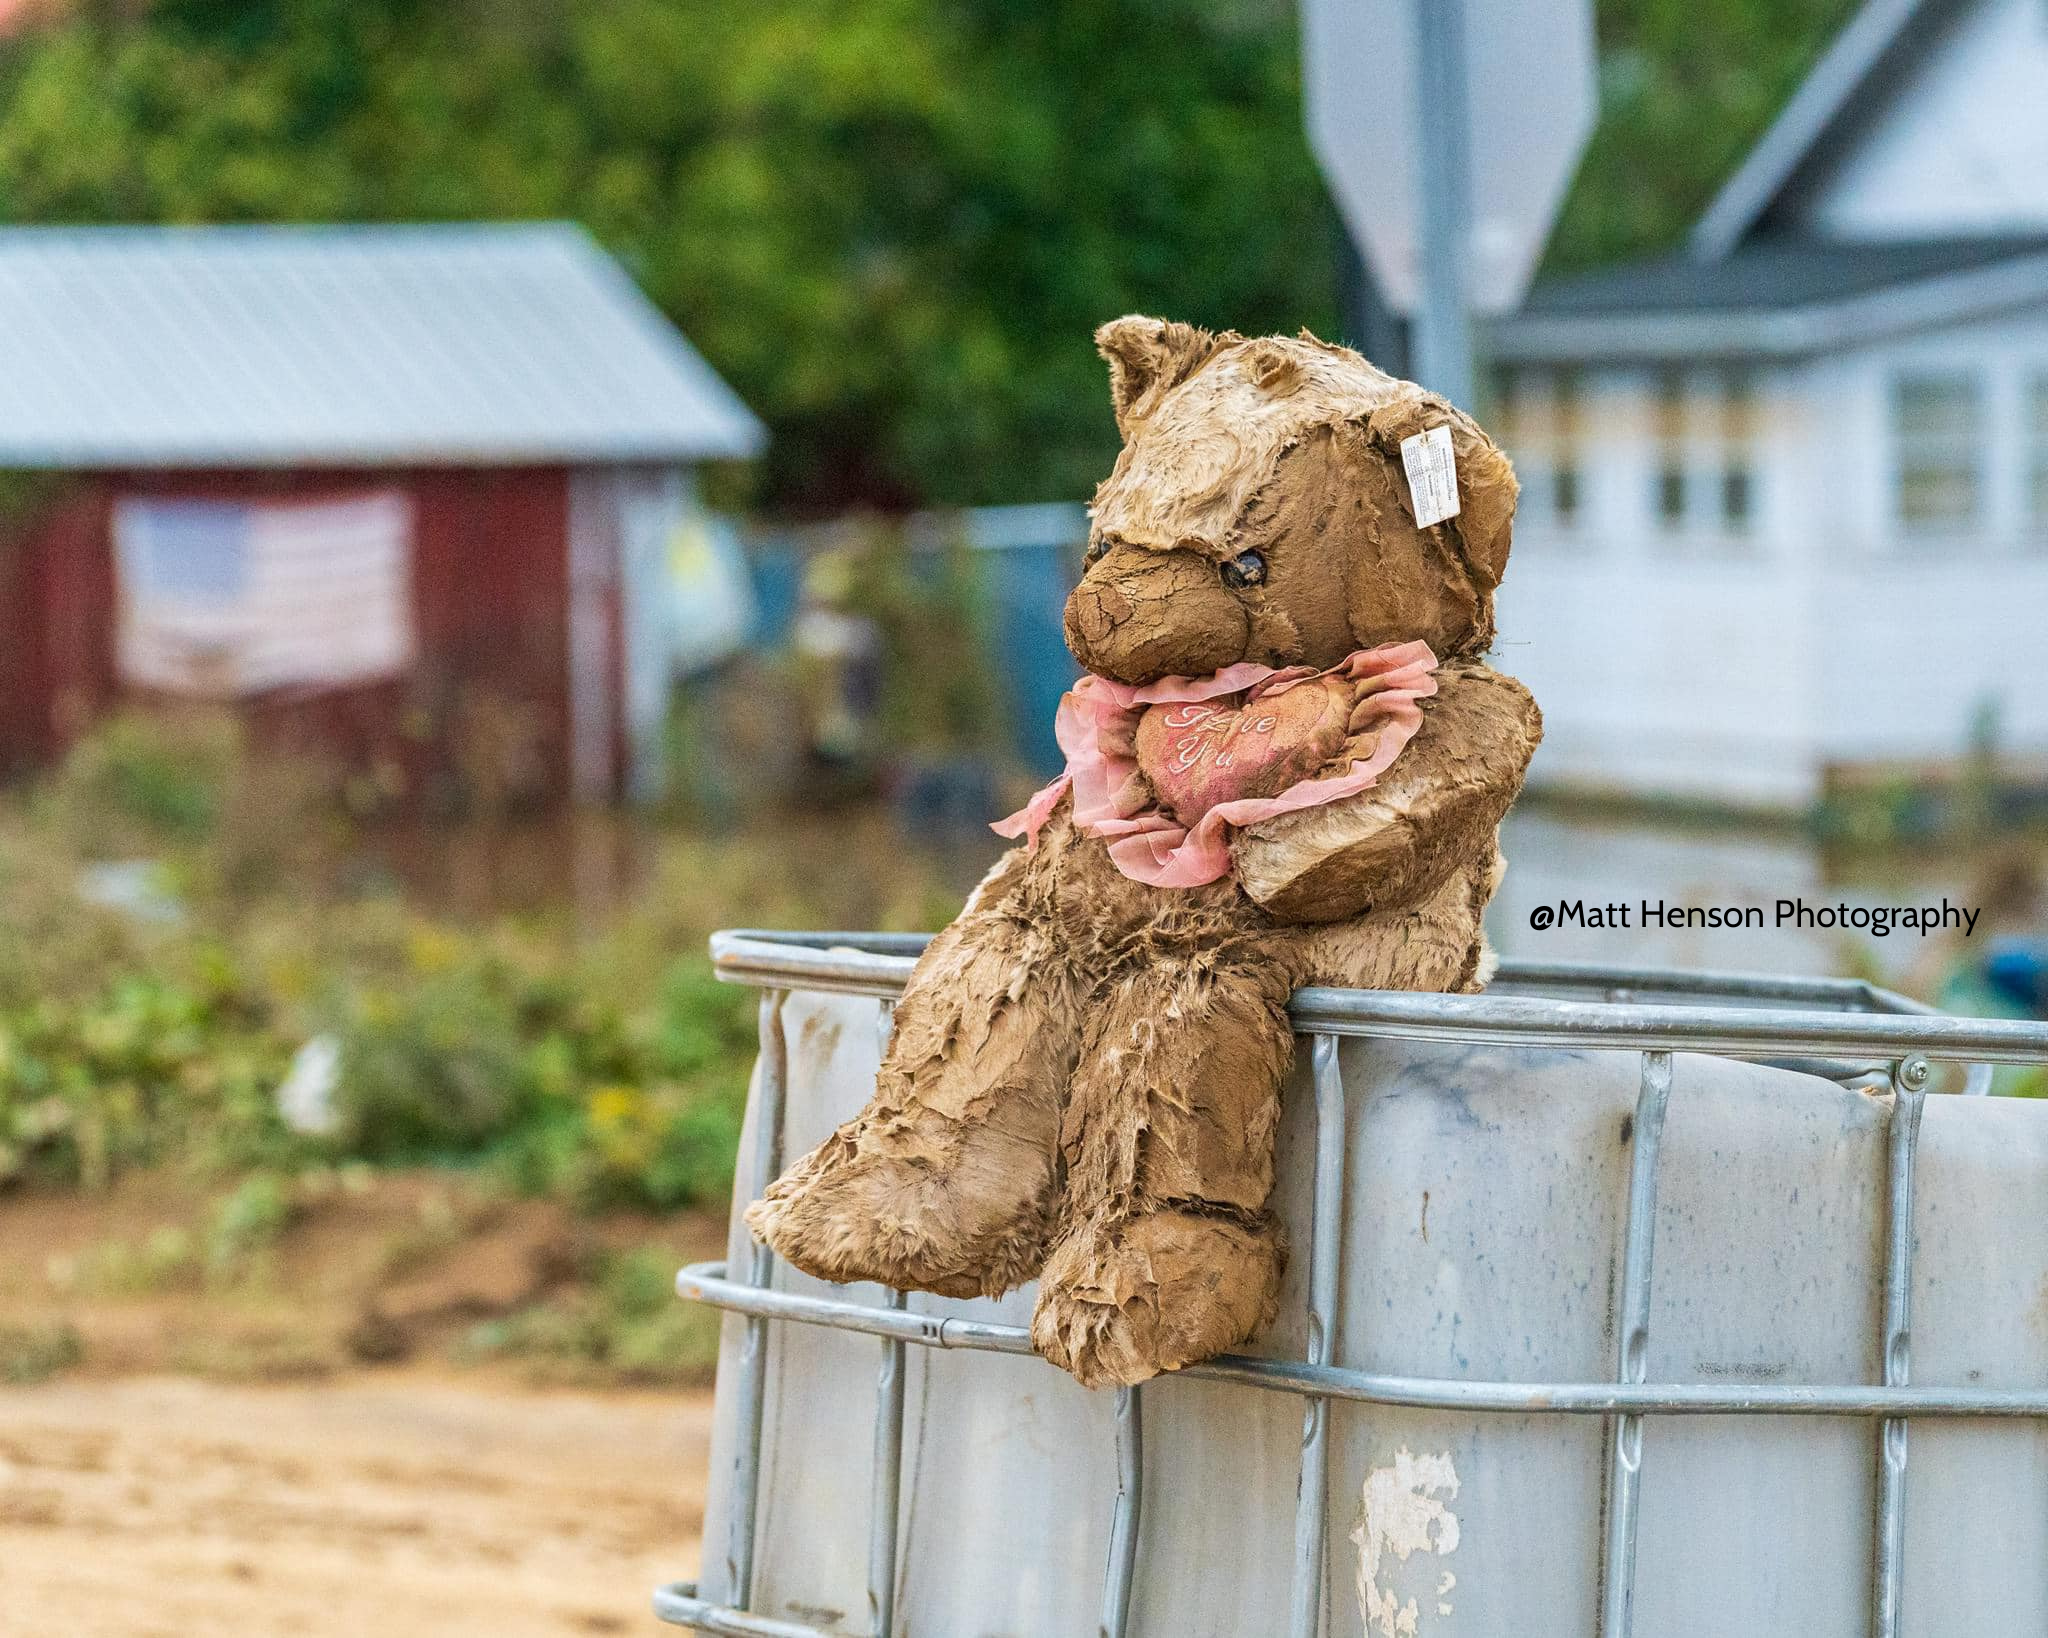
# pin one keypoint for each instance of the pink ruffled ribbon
(1112, 799)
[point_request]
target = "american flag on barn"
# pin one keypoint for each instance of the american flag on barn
(357, 482)
(225, 599)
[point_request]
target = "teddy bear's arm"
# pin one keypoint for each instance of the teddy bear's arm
(1436, 808)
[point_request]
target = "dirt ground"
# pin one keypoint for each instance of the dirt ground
(310, 1450)
(402, 1268)
(400, 1505)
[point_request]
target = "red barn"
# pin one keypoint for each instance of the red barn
(408, 493)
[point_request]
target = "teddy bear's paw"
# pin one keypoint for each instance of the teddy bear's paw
(1123, 1299)
(962, 1231)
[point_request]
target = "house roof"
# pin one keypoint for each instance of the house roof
(1851, 77)
(345, 346)
(1773, 274)
(1775, 296)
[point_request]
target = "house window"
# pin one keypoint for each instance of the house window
(1670, 427)
(1504, 392)
(1737, 496)
(1937, 444)
(1505, 420)
(1738, 446)
(1567, 415)
(1534, 415)
(2037, 451)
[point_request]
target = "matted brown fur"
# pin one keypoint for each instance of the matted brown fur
(1083, 1084)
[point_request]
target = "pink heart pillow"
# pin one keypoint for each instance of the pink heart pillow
(1199, 755)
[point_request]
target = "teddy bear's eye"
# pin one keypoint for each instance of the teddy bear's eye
(1245, 569)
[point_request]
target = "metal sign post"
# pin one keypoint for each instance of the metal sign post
(1443, 326)
(1448, 130)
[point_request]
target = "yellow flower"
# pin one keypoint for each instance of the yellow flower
(620, 1124)
(615, 1106)
(431, 950)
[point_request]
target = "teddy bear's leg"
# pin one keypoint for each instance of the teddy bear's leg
(1169, 1255)
(945, 1181)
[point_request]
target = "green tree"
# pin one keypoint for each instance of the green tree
(892, 226)
(1686, 87)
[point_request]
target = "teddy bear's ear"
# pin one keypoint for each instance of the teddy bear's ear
(1147, 356)
(1487, 495)
(1439, 581)
(1487, 489)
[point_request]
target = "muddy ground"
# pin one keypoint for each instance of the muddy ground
(313, 1448)
(398, 1505)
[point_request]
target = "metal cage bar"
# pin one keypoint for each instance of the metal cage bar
(888, 1484)
(752, 1386)
(1617, 983)
(1120, 1573)
(1855, 1028)
(1865, 1023)
(887, 1490)
(707, 1283)
(1625, 1437)
(679, 1605)
(1888, 1560)
(1326, 1249)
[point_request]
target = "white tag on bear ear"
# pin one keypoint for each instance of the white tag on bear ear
(1432, 475)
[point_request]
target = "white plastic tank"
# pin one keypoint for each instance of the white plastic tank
(1484, 1206)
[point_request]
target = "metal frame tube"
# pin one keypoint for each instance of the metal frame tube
(706, 1283)
(795, 954)
(1625, 1436)
(886, 1493)
(888, 1484)
(1515, 1020)
(679, 1605)
(1856, 994)
(799, 951)
(1120, 1574)
(753, 1363)
(1889, 1556)
(1326, 1249)
(1733, 1031)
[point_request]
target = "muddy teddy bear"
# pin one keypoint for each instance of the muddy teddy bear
(1287, 765)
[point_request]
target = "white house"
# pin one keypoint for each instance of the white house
(1785, 495)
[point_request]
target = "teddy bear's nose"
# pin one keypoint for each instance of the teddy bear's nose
(1099, 610)
(1139, 615)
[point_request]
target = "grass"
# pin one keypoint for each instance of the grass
(33, 1353)
(496, 1023)
(587, 1056)
(246, 1227)
(626, 1326)
(166, 1259)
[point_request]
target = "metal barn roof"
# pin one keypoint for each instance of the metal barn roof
(343, 346)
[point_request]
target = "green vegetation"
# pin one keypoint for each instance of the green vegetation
(1684, 92)
(32, 1353)
(937, 638)
(590, 1059)
(892, 226)
(165, 1259)
(247, 1224)
(624, 1326)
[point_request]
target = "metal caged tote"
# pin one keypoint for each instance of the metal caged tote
(1614, 1296)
